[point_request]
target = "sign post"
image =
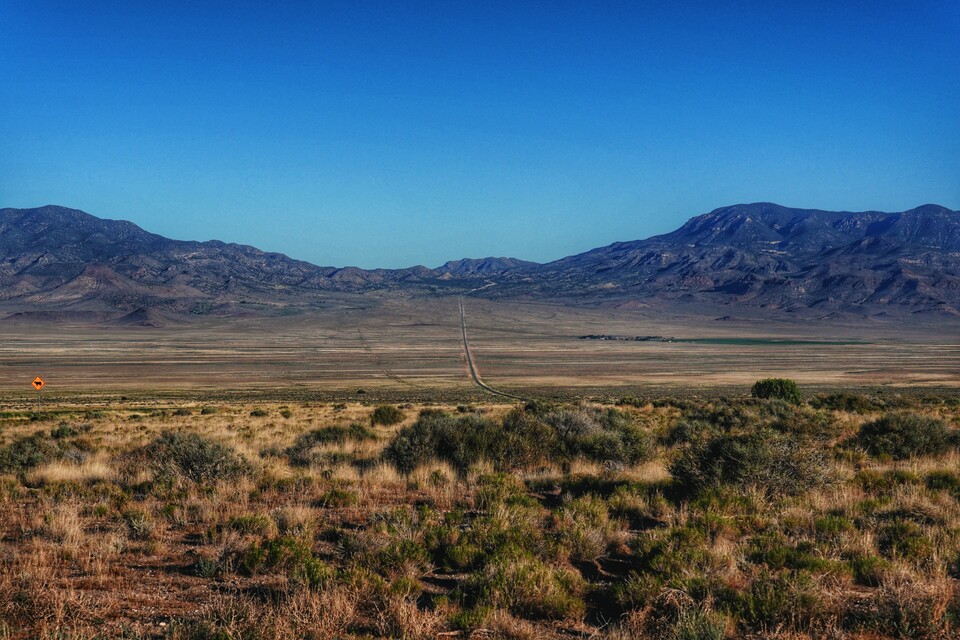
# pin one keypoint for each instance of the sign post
(38, 385)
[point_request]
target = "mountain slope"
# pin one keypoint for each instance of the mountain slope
(763, 256)
(774, 257)
(53, 255)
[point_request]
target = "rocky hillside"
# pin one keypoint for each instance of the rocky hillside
(761, 256)
(776, 258)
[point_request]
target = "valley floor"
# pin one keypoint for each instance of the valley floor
(413, 349)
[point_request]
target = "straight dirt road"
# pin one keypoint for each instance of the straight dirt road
(473, 369)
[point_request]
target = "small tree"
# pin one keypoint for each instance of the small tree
(778, 388)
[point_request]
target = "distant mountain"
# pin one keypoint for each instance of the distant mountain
(61, 263)
(773, 257)
(483, 266)
(54, 256)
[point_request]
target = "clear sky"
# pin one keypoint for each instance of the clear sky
(399, 133)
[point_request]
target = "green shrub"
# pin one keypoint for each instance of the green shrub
(192, 457)
(460, 441)
(606, 436)
(27, 452)
(523, 439)
(848, 402)
(777, 388)
(139, 524)
(259, 413)
(254, 523)
(182, 412)
(207, 411)
(63, 430)
(301, 452)
(773, 462)
(868, 570)
(285, 553)
(387, 415)
(336, 498)
(904, 539)
(528, 587)
(904, 435)
(944, 481)
(784, 599)
(286, 413)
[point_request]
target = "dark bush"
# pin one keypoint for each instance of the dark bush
(774, 462)
(791, 418)
(258, 413)
(387, 415)
(192, 457)
(27, 452)
(904, 435)
(777, 388)
(849, 402)
(609, 436)
(522, 440)
(460, 441)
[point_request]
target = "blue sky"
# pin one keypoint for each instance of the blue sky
(391, 134)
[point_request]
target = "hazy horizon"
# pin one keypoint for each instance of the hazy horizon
(390, 137)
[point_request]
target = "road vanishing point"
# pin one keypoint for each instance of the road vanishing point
(473, 368)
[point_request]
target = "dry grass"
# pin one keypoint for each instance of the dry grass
(96, 544)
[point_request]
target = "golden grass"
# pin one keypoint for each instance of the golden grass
(92, 470)
(69, 536)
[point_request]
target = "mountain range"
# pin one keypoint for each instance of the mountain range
(760, 257)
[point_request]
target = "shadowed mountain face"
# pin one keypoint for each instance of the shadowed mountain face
(762, 256)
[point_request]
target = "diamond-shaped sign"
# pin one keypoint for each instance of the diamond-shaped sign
(38, 383)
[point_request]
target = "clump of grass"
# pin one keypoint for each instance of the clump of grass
(782, 599)
(526, 586)
(139, 524)
(253, 523)
(302, 452)
(284, 554)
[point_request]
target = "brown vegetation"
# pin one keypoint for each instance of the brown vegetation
(678, 520)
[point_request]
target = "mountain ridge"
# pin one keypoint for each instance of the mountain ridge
(760, 255)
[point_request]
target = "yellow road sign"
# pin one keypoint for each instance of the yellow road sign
(38, 383)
